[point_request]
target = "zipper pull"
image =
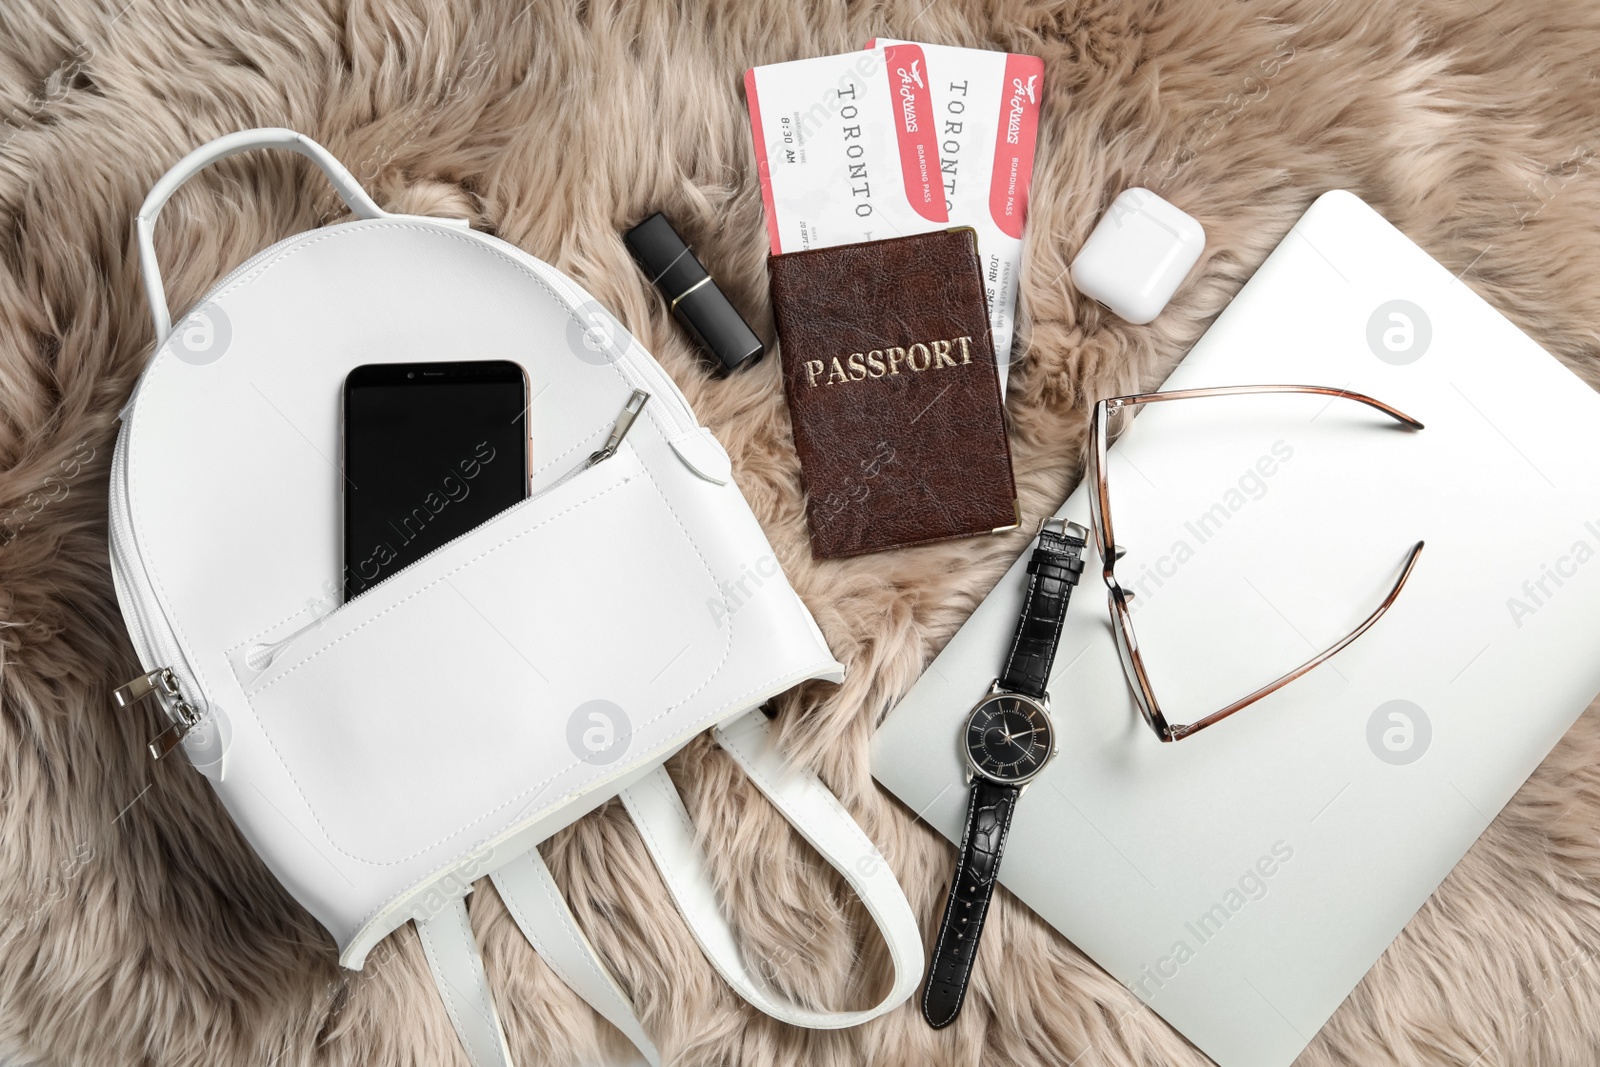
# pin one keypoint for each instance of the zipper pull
(130, 693)
(630, 412)
(163, 684)
(185, 718)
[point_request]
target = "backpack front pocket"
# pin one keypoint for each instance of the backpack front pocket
(520, 663)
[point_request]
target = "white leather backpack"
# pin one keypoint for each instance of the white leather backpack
(383, 754)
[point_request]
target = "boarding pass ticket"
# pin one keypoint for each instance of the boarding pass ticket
(897, 139)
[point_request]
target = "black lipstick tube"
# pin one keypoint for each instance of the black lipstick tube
(692, 295)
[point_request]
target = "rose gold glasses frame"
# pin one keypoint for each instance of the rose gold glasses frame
(1106, 543)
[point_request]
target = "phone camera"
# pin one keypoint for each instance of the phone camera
(411, 374)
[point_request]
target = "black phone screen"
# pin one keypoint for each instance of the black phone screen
(431, 450)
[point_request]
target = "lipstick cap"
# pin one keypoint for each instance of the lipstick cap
(692, 294)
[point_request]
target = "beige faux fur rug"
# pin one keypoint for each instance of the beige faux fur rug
(136, 927)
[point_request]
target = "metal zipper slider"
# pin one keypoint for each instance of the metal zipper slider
(630, 412)
(130, 693)
(185, 718)
(162, 683)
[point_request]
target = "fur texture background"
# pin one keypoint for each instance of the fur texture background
(136, 927)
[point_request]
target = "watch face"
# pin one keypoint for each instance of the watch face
(1008, 738)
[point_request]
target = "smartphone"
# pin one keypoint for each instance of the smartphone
(430, 450)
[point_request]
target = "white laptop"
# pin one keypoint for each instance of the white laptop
(1241, 881)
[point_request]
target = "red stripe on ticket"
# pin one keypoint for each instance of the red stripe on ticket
(914, 127)
(1013, 150)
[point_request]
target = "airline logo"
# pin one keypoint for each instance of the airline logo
(1021, 96)
(910, 109)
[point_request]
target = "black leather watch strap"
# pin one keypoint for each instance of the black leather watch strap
(1054, 569)
(988, 819)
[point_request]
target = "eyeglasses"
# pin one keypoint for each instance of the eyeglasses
(1106, 542)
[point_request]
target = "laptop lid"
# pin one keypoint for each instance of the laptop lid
(1242, 881)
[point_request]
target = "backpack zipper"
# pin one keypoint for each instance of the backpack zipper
(619, 430)
(152, 640)
(260, 657)
(163, 684)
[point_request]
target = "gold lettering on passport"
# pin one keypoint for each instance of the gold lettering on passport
(890, 362)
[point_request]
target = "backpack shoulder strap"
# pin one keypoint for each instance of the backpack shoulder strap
(458, 972)
(535, 902)
(812, 809)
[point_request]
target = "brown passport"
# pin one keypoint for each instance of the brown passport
(889, 370)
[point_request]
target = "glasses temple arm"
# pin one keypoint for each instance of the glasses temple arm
(1179, 732)
(1245, 390)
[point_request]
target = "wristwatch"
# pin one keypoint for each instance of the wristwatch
(1006, 741)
